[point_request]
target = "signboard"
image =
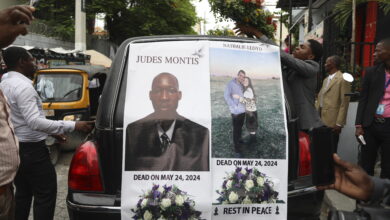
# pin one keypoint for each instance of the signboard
(204, 132)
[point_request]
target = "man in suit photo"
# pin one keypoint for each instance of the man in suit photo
(373, 113)
(332, 103)
(165, 140)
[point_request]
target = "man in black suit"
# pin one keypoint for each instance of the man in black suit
(165, 140)
(373, 114)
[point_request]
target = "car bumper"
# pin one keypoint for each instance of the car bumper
(82, 212)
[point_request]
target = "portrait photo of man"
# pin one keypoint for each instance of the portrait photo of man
(165, 140)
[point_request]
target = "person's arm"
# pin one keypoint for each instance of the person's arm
(362, 104)
(381, 189)
(26, 101)
(13, 22)
(345, 88)
(228, 95)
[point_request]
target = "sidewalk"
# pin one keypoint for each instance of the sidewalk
(336, 200)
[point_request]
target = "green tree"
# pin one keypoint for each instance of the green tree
(221, 32)
(58, 15)
(343, 9)
(132, 18)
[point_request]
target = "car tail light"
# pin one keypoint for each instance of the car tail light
(84, 171)
(304, 154)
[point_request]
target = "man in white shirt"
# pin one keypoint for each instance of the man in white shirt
(36, 175)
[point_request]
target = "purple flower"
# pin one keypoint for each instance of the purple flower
(156, 194)
(240, 176)
(248, 170)
(238, 169)
(224, 184)
(167, 188)
(155, 187)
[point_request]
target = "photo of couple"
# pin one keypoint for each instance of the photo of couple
(240, 97)
(246, 105)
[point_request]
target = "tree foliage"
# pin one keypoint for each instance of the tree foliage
(132, 18)
(343, 9)
(125, 18)
(221, 32)
(58, 15)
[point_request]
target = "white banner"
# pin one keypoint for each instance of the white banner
(204, 132)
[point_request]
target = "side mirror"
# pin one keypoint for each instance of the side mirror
(348, 77)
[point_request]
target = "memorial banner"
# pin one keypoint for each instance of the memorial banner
(204, 132)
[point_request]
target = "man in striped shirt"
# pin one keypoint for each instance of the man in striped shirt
(13, 21)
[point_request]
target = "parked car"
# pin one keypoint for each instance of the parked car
(70, 93)
(95, 172)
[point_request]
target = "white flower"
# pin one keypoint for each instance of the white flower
(160, 189)
(148, 215)
(249, 184)
(243, 171)
(225, 202)
(165, 203)
(247, 200)
(233, 197)
(179, 200)
(144, 203)
(260, 181)
(229, 184)
(161, 218)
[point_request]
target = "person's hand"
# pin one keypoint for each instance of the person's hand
(13, 22)
(336, 129)
(59, 137)
(235, 96)
(359, 131)
(351, 180)
(247, 30)
(84, 126)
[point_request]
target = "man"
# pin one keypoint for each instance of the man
(165, 140)
(36, 176)
(373, 113)
(299, 76)
(352, 181)
(332, 103)
(13, 21)
(237, 109)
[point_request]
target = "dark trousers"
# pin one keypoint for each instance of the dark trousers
(251, 121)
(36, 178)
(7, 203)
(238, 122)
(377, 136)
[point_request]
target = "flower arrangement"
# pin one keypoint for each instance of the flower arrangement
(165, 202)
(249, 12)
(247, 186)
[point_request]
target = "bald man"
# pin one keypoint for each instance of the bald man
(165, 140)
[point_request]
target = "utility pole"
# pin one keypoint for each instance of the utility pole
(353, 37)
(80, 26)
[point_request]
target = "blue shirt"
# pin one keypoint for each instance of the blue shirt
(234, 87)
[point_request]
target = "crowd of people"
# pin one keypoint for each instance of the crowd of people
(373, 114)
(25, 161)
(24, 157)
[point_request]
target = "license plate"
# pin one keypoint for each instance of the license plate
(49, 112)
